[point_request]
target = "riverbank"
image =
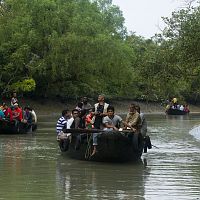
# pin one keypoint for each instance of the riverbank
(121, 107)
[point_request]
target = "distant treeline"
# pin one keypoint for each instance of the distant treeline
(68, 49)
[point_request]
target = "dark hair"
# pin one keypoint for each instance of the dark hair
(82, 113)
(80, 104)
(64, 112)
(75, 110)
(133, 105)
(84, 98)
(137, 107)
(28, 108)
(111, 108)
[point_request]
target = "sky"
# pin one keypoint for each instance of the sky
(144, 16)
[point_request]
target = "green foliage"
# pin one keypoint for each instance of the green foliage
(26, 85)
(75, 48)
(168, 65)
(182, 35)
(70, 48)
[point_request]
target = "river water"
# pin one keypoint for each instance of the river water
(32, 166)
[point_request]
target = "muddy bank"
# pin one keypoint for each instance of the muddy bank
(121, 107)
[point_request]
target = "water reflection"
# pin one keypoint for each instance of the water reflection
(195, 131)
(26, 168)
(31, 166)
(175, 171)
(85, 180)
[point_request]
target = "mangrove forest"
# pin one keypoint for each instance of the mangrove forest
(71, 48)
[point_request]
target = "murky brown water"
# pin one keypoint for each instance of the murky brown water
(32, 167)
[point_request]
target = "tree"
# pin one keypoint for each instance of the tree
(69, 48)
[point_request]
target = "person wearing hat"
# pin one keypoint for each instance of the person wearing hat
(17, 112)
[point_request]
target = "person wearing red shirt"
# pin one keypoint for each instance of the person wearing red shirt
(89, 119)
(17, 113)
(8, 112)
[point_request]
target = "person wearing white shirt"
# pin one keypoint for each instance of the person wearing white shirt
(181, 107)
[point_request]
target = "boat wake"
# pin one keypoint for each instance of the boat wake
(195, 131)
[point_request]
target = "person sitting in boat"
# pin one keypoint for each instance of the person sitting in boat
(2, 115)
(82, 116)
(111, 121)
(133, 123)
(86, 106)
(89, 119)
(62, 122)
(167, 107)
(143, 125)
(143, 130)
(14, 99)
(34, 116)
(8, 112)
(17, 112)
(174, 103)
(78, 119)
(74, 121)
(181, 107)
(186, 108)
(100, 111)
(27, 118)
(79, 122)
(133, 119)
(2, 106)
(79, 106)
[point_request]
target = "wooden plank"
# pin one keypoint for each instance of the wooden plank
(94, 131)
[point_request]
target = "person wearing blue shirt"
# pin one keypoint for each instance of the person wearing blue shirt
(2, 114)
(62, 121)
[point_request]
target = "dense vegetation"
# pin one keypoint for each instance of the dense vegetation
(71, 48)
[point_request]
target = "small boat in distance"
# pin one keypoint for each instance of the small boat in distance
(113, 146)
(172, 111)
(173, 107)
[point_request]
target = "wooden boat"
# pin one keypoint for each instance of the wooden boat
(113, 146)
(11, 127)
(171, 111)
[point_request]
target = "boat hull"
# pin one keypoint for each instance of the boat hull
(176, 112)
(11, 127)
(112, 147)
